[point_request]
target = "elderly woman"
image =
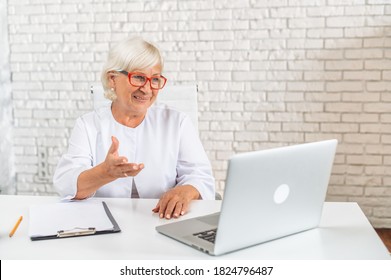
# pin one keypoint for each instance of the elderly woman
(134, 149)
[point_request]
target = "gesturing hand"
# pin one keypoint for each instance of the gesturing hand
(117, 166)
(176, 201)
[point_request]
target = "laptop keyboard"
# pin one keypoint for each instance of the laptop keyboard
(208, 235)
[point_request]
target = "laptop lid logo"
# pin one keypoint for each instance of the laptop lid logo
(281, 194)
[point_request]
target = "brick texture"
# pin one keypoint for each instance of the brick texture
(270, 73)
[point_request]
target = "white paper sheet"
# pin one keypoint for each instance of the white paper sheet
(46, 220)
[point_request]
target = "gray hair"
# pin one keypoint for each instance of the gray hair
(129, 55)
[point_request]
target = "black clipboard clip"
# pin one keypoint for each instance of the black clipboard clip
(76, 232)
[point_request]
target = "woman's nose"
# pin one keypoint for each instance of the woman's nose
(147, 87)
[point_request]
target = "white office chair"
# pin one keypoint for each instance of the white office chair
(181, 97)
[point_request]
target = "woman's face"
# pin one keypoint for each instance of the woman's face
(134, 99)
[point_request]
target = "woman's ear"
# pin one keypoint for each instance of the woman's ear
(111, 79)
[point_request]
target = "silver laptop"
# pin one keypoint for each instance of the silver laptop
(268, 194)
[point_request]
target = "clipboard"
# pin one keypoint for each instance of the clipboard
(71, 219)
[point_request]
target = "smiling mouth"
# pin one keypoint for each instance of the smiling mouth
(141, 98)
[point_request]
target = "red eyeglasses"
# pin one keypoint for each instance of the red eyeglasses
(139, 79)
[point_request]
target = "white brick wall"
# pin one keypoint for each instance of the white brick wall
(270, 73)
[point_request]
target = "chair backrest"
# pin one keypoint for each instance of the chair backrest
(180, 97)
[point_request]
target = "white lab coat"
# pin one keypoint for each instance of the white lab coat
(166, 142)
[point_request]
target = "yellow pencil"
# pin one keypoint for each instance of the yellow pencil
(16, 226)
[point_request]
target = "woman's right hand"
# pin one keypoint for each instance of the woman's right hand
(112, 168)
(117, 166)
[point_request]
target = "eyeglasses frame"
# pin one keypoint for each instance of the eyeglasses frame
(129, 74)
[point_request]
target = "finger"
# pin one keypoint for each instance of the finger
(136, 168)
(185, 208)
(114, 145)
(122, 171)
(162, 206)
(157, 207)
(178, 209)
(120, 161)
(170, 209)
(133, 173)
(130, 168)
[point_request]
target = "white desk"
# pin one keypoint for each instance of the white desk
(344, 233)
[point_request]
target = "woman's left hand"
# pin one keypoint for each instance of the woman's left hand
(176, 201)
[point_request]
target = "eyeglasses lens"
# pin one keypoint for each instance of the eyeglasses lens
(140, 80)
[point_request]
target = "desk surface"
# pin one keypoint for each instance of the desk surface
(344, 233)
